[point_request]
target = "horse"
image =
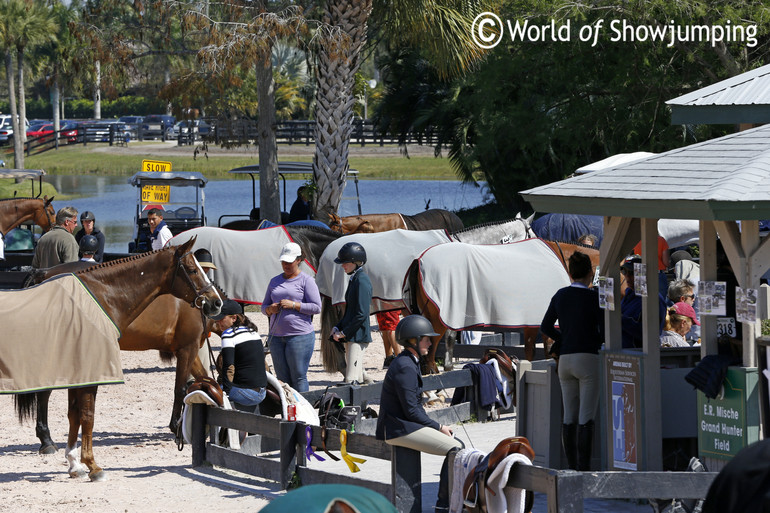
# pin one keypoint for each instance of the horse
(433, 219)
(169, 325)
(463, 286)
(123, 298)
(387, 268)
(17, 211)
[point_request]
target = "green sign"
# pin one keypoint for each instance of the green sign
(727, 425)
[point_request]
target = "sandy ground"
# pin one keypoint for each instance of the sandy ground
(146, 472)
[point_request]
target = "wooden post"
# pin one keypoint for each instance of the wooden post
(199, 420)
(289, 450)
(568, 493)
(406, 476)
(708, 272)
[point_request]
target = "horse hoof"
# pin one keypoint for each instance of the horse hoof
(48, 449)
(98, 477)
(81, 472)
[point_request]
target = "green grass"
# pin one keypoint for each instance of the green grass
(9, 189)
(77, 160)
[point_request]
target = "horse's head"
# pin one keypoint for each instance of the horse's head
(193, 285)
(45, 215)
(336, 223)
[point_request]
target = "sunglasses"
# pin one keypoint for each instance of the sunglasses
(691, 296)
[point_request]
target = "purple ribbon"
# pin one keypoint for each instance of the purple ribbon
(309, 452)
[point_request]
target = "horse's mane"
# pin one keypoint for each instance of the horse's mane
(20, 198)
(484, 225)
(574, 243)
(130, 258)
(316, 229)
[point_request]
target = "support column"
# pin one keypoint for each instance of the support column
(653, 431)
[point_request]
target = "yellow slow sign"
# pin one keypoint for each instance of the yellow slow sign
(155, 193)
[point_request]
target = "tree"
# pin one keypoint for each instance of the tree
(537, 110)
(441, 30)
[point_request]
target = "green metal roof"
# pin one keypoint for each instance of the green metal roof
(722, 179)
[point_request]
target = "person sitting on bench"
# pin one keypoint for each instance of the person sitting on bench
(402, 421)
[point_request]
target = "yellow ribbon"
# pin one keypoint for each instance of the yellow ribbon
(350, 460)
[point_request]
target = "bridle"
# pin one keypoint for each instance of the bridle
(199, 300)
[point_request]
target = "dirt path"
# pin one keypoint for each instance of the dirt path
(146, 472)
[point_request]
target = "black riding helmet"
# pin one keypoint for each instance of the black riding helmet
(352, 252)
(413, 326)
(87, 216)
(89, 244)
(204, 258)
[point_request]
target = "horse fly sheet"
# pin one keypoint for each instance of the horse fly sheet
(246, 260)
(502, 286)
(389, 255)
(568, 227)
(55, 335)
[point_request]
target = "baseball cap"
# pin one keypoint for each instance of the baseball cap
(290, 252)
(628, 263)
(229, 307)
(687, 310)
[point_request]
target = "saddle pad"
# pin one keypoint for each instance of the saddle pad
(246, 260)
(388, 254)
(503, 285)
(55, 335)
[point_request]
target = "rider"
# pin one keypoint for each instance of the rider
(353, 328)
(88, 221)
(89, 245)
(402, 420)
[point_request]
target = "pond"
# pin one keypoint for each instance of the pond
(113, 200)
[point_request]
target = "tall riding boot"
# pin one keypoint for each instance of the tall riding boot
(585, 439)
(569, 441)
(442, 501)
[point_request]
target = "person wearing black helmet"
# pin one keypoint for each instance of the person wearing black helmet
(89, 245)
(88, 222)
(353, 328)
(402, 420)
(206, 261)
(631, 305)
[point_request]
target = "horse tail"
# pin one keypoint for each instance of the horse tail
(329, 353)
(166, 356)
(25, 405)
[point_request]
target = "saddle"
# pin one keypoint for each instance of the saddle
(475, 486)
(209, 387)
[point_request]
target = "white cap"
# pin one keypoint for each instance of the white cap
(290, 252)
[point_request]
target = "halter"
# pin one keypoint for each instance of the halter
(198, 293)
(528, 229)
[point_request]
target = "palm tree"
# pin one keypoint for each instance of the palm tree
(441, 29)
(9, 12)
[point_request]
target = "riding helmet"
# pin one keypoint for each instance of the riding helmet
(628, 263)
(351, 252)
(89, 244)
(204, 259)
(413, 326)
(87, 216)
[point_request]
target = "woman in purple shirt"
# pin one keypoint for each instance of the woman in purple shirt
(291, 301)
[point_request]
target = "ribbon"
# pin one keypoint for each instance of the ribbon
(350, 460)
(309, 452)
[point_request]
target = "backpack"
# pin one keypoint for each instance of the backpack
(333, 413)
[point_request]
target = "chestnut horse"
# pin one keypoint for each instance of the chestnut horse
(428, 308)
(123, 297)
(17, 211)
(433, 219)
(169, 324)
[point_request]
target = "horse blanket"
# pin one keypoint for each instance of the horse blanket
(503, 286)
(56, 335)
(305, 222)
(246, 260)
(389, 255)
(568, 227)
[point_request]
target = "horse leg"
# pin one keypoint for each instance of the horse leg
(450, 338)
(76, 469)
(184, 365)
(87, 407)
(530, 338)
(47, 445)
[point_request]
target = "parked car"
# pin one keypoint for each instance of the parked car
(155, 124)
(132, 124)
(6, 128)
(42, 132)
(198, 125)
